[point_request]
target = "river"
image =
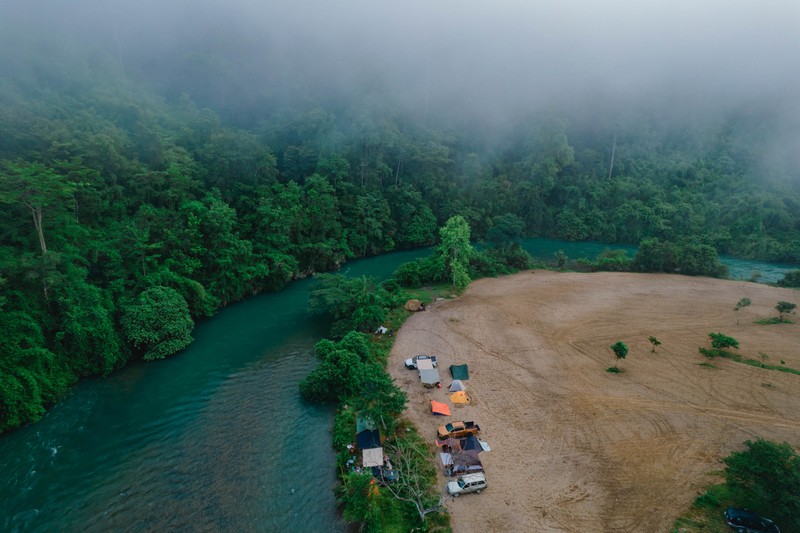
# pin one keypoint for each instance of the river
(214, 438)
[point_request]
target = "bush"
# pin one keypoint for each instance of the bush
(690, 258)
(720, 341)
(790, 279)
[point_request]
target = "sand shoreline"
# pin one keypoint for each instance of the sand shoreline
(575, 448)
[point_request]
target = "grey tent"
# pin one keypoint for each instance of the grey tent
(457, 385)
(429, 376)
(363, 422)
(459, 371)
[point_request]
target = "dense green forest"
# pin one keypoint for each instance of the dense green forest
(131, 210)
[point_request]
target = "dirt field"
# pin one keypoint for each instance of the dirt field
(578, 449)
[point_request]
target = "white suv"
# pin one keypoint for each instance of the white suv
(468, 483)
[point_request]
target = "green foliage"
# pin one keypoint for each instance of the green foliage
(784, 308)
(505, 230)
(342, 372)
(766, 477)
(720, 341)
(418, 273)
(344, 428)
(358, 304)
(158, 323)
(690, 258)
(655, 342)
(620, 349)
(771, 320)
(31, 377)
(790, 279)
(561, 258)
(360, 500)
(455, 251)
(744, 302)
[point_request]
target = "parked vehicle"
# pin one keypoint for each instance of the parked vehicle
(456, 430)
(467, 483)
(411, 364)
(744, 521)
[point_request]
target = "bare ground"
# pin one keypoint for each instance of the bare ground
(578, 449)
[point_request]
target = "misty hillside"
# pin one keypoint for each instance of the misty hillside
(184, 156)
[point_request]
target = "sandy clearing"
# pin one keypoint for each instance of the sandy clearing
(575, 448)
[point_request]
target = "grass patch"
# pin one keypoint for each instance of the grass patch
(773, 320)
(705, 514)
(614, 370)
(711, 353)
(706, 364)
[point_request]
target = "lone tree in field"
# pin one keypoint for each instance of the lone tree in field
(620, 349)
(744, 302)
(784, 308)
(655, 342)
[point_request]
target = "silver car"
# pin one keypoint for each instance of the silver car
(467, 483)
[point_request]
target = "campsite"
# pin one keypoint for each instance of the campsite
(576, 448)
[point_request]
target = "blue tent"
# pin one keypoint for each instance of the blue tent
(367, 439)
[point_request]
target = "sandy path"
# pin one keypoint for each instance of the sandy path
(575, 448)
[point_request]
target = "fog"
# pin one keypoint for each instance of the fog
(489, 61)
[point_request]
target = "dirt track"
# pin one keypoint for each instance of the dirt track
(578, 449)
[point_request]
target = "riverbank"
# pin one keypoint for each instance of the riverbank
(575, 448)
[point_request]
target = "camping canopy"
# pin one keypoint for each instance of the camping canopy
(424, 364)
(372, 457)
(459, 398)
(429, 377)
(367, 439)
(457, 385)
(459, 371)
(439, 408)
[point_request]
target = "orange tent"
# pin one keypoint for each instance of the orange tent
(459, 398)
(439, 408)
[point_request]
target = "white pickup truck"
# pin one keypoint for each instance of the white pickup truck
(411, 363)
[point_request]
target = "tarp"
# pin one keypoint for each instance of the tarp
(367, 439)
(459, 398)
(459, 371)
(447, 459)
(453, 444)
(363, 422)
(467, 458)
(439, 408)
(424, 364)
(372, 457)
(457, 385)
(429, 377)
(485, 446)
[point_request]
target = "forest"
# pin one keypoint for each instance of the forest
(133, 207)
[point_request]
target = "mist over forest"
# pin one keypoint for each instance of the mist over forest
(184, 155)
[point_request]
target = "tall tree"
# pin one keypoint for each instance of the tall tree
(455, 251)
